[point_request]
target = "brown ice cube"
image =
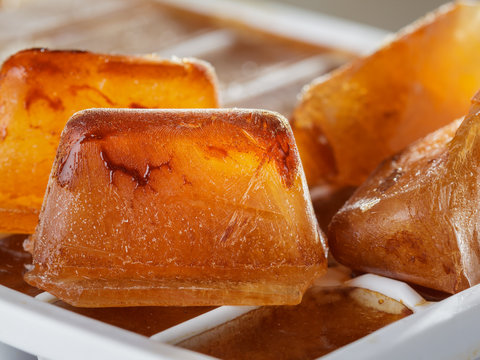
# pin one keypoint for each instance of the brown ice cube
(416, 218)
(349, 121)
(326, 320)
(177, 207)
(41, 89)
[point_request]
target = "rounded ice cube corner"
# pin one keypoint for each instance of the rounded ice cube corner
(41, 89)
(177, 207)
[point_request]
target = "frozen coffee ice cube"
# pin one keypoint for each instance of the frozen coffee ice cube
(349, 121)
(41, 89)
(416, 217)
(177, 207)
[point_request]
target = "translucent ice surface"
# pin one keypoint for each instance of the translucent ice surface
(177, 207)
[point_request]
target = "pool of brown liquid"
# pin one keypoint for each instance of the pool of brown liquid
(326, 320)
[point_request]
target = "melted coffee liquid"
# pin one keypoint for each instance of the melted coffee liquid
(13, 260)
(323, 322)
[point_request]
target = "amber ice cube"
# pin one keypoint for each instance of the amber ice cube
(346, 123)
(179, 207)
(416, 217)
(41, 89)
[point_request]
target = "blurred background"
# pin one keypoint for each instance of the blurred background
(386, 14)
(250, 43)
